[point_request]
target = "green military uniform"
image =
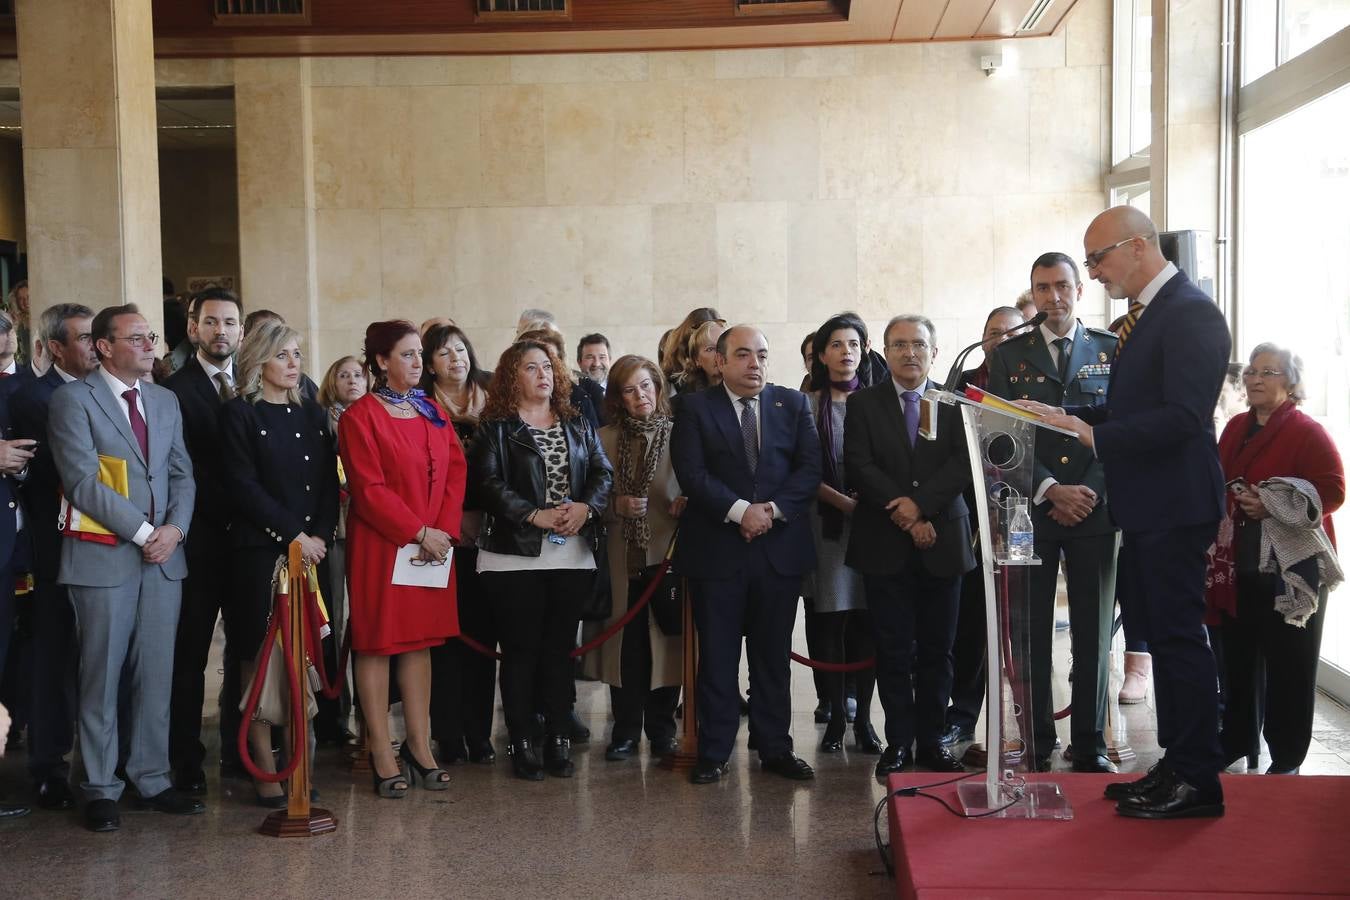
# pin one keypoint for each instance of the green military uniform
(1024, 368)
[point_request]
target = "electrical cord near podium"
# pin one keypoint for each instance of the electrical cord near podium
(921, 790)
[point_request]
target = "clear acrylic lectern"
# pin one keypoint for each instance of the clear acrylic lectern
(1002, 443)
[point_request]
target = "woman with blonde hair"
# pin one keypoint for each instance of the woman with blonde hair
(675, 346)
(700, 359)
(282, 482)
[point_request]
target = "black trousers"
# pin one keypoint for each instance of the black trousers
(813, 647)
(207, 594)
(464, 681)
(969, 681)
(1289, 690)
(1090, 576)
(846, 637)
(51, 727)
(914, 621)
(637, 705)
(761, 605)
(536, 615)
(1162, 575)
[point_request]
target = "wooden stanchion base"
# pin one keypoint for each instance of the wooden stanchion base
(281, 824)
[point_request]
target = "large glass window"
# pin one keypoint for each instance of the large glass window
(1133, 79)
(1275, 32)
(1295, 285)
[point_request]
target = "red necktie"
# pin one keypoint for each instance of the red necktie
(137, 423)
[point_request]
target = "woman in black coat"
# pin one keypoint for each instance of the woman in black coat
(282, 480)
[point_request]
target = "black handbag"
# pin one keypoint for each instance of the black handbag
(667, 603)
(599, 604)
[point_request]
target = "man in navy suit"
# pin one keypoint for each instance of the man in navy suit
(1155, 438)
(64, 330)
(747, 456)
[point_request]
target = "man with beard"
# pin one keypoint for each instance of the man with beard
(204, 382)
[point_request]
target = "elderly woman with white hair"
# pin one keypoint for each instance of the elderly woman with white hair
(1270, 572)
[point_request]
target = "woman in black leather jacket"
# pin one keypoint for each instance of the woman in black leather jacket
(537, 471)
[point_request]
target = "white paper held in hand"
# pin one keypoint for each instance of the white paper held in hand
(410, 570)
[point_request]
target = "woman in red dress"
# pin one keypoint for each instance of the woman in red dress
(405, 471)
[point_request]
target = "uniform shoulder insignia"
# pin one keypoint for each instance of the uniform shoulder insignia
(1102, 333)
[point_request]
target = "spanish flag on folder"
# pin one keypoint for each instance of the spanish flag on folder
(112, 473)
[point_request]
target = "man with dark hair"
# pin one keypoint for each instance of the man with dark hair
(205, 381)
(593, 358)
(126, 593)
(1065, 362)
(911, 542)
(747, 456)
(1155, 438)
(64, 331)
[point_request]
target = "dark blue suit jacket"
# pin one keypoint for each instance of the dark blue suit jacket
(709, 459)
(41, 490)
(1155, 434)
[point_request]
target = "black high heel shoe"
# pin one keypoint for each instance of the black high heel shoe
(866, 737)
(392, 788)
(833, 741)
(429, 778)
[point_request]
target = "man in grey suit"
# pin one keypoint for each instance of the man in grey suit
(126, 594)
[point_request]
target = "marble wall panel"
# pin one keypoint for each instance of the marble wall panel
(822, 262)
(348, 260)
(616, 260)
(445, 146)
(362, 158)
(684, 260)
(958, 257)
(511, 135)
(752, 261)
(1066, 141)
(890, 258)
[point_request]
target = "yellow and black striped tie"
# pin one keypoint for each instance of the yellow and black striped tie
(1131, 319)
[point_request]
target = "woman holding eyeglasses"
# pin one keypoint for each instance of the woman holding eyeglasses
(405, 471)
(283, 487)
(542, 481)
(1273, 612)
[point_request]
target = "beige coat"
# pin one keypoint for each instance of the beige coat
(666, 651)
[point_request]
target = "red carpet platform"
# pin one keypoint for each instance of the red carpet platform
(1284, 835)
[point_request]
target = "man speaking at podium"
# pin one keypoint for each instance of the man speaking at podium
(1155, 438)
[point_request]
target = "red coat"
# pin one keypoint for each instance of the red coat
(402, 474)
(1291, 445)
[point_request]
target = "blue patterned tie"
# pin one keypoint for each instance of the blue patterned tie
(749, 432)
(912, 415)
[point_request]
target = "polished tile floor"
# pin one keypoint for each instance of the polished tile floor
(616, 829)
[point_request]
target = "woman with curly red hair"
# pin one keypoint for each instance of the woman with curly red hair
(542, 482)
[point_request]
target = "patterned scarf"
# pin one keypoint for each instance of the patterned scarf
(831, 519)
(470, 412)
(641, 444)
(417, 399)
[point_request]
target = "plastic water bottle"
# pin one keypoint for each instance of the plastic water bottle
(1020, 536)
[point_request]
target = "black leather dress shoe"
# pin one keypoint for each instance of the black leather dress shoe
(1097, 763)
(955, 734)
(822, 713)
(865, 738)
(831, 744)
(666, 747)
(101, 815)
(789, 765)
(938, 759)
(525, 761)
(55, 793)
(558, 757)
(893, 759)
(1119, 790)
(483, 753)
(9, 811)
(452, 752)
(1173, 798)
(617, 751)
(706, 771)
(1280, 769)
(174, 802)
(192, 783)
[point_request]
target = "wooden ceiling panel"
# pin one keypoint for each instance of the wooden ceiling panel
(918, 20)
(1005, 15)
(963, 18)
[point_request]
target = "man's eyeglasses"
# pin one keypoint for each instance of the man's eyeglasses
(1263, 374)
(903, 346)
(1094, 259)
(142, 340)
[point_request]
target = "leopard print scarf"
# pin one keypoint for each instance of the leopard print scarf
(641, 444)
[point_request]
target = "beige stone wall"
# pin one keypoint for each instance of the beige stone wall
(199, 214)
(619, 191)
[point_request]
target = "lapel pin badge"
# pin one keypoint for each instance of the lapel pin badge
(1101, 357)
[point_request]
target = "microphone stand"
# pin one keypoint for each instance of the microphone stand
(955, 374)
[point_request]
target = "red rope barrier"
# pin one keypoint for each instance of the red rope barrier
(281, 618)
(330, 690)
(833, 666)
